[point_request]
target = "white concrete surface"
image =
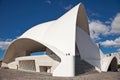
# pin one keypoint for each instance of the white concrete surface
(60, 37)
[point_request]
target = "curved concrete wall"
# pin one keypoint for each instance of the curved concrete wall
(105, 63)
(58, 35)
(88, 50)
(61, 37)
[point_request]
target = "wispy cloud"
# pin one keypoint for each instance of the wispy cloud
(48, 1)
(68, 7)
(95, 14)
(111, 43)
(118, 49)
(98, 28)
(115, 26)
(110, 27)
(4, 44)
(108, 22)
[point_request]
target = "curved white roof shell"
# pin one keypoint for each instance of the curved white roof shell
(60, 36)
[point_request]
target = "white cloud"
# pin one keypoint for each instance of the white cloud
(111, 43)
(98, 28)
(116, 25)
(4, 44)
(68, 7)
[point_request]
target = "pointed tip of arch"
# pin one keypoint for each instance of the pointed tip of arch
(82, 20)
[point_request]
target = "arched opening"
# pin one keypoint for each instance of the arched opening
(21, 51)
(113, 65)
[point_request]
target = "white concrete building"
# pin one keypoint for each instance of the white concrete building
(116, 54)
(67, 44)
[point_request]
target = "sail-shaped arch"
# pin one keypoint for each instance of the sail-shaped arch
(61, 37)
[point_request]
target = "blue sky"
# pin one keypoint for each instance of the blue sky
(17, 16)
